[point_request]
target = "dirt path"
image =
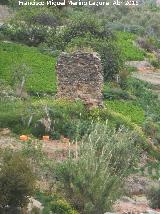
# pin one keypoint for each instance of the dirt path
(147, 73)
(149, 76)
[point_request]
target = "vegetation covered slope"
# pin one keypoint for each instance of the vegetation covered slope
(41, 78)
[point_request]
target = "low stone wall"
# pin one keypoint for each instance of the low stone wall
(80, 76)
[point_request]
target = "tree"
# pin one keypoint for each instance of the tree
(16, 181)
(94, 180)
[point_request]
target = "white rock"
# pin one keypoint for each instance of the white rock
(34, 204)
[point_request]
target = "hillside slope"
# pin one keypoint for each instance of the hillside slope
(42, 77)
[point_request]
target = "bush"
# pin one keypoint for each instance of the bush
(31, 26)
(16, 181)
(150, 128)
(156, 63)
(146, 44)
(68, 119)
(111, 58)
(115, 93)
(54, 204)
(81, 26)
(123, 76)
(4, 2)
(94, 180)
(153, 196)
(142, 20)
(45, 20)
(11, 3)
(44, 16)
(31, 35)
(117, 120)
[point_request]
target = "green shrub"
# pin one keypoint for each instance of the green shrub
(156, 63)
(117, 120)
(153, 196)
(45, 20)
(4, 2)
(31, 35)
(68, 119)
(147, 44)
(31, 26)
(142, 20)
(150, 128)
(94, 180)
(16, 180)
(81, 26)
(123, 76)
(11, 3)
(54, 204)
(112, 91)
(49, 16)
(116, 94)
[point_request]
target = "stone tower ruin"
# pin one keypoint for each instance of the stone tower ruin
(80, 76)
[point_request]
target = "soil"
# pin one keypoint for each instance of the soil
(138, 205)
(55, 149)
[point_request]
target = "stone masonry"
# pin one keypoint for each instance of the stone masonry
(80, 76)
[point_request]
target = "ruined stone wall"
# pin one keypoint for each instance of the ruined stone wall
(80, 76)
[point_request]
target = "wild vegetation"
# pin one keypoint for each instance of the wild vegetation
(19, 59)
(108, 142)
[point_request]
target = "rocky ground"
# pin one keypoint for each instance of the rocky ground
(136, 205)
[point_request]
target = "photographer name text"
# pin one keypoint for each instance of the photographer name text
(77, 3)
